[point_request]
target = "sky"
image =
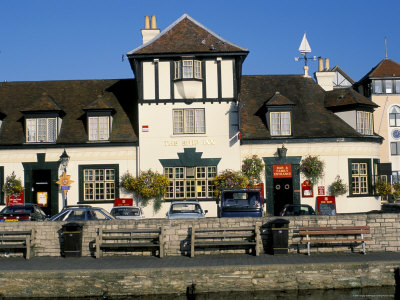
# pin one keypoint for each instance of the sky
(85, 39)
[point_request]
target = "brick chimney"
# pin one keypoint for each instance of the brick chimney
(150, 31)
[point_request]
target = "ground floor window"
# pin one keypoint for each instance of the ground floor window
(190, 182)
(395, 176)
(98, 183)
(360, 177)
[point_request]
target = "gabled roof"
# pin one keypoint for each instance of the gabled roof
(385, 68)
(186, 35)
(346, 97)
(343, 73)
(72, 97)
(278, 100)
(310, 117)
(43, 103)
(99, 104)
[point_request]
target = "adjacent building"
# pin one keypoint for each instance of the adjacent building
(189, 113)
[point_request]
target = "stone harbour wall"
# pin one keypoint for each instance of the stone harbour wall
(385, 232)
(97, 283)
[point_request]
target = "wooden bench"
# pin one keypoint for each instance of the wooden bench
(334, 234)
(114, 239)
(17, 240)
(239, 237)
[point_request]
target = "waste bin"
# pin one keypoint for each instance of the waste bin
(72, 236)
(280, 236)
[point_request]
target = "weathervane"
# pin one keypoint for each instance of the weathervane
(304, 49)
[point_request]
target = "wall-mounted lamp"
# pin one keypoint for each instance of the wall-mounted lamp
(282, 151)
(64, 159)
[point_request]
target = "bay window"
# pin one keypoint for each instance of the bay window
(187, 69)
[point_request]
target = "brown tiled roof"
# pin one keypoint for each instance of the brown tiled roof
(385, 68)
(186, 35)
(346, 97)
(310, 117)
(99, 103)
(278, 100)
(71, 97)
(43, 103)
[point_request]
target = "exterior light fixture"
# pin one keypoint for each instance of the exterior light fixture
(282, 151)
(64, 159)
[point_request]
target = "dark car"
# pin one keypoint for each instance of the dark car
(82, 213)
(240, 203)
(297, 210)
(27, 212)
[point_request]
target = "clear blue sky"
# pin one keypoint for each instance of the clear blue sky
(85, 39)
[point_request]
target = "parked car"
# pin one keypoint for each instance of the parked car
(28, 212)
(240, 203)
(127, 212)
(297, 210)
(82, 213)
(185, 210)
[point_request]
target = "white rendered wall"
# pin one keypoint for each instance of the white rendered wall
(148, 80)
(211, 79)
(164, 75)
(227, 78)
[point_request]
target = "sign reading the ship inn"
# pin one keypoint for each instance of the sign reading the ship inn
(282, 171)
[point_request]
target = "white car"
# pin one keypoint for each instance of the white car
(127, 212)
(185, 210)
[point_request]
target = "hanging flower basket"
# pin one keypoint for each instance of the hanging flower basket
(229, 180)
(312, 168)
(149, 185)
(338, 187)
(252, 168)
(13, 185)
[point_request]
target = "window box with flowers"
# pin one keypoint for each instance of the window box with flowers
(312, 168)
(149, 185)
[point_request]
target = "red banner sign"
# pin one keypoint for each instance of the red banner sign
(16, 201)
(282, 171)
(123, 202)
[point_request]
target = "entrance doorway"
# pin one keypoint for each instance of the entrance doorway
(41, 189)
(283, 193)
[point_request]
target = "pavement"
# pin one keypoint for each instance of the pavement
(13, 264)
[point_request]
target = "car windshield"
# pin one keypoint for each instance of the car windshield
(242, 199)
(126, 211)
(186, 208)
(18, 209)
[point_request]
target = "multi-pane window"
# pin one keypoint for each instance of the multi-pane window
(365, 123)
(280, 123)
(395, 148)
(98, 184)
(99, 128)
(395, 176)
(189, 121)
(394, 116)
(190, 182)
(187, 69)
(41, 130)
(387, 86)
(359, 178)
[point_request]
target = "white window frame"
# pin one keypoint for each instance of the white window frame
(99, 128)
(280, 123)
(38, 130)
(359, 177)
(188, 69)
(99, 184)
(189, 121)
(190, 182)
(365, 122)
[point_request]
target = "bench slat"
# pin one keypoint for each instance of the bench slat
(137, 237)
(334, 241)
(129, 245)
(333, 232)
(223, 236)
(155, 230)
(13, 246)
(225, 243)
(198, 230)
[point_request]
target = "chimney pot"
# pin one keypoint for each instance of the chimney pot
(153, 22)
(146, 22)
(326, 64)
(320, 64)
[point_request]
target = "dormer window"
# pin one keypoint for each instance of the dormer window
(39, 130)
(365, 124)
(188, 69)
(280, 123)
(99, 128)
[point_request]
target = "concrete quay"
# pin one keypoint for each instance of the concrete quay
(145, 275)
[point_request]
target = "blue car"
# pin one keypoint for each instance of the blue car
(240, 203)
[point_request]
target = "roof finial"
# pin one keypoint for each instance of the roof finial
(386, 56)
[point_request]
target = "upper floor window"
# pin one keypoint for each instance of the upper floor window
(387, 86)
(186, 69)
(394, 116)
(41, 130)
(99, 128)
(365, 124)
(188, 121)
(280, 123)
